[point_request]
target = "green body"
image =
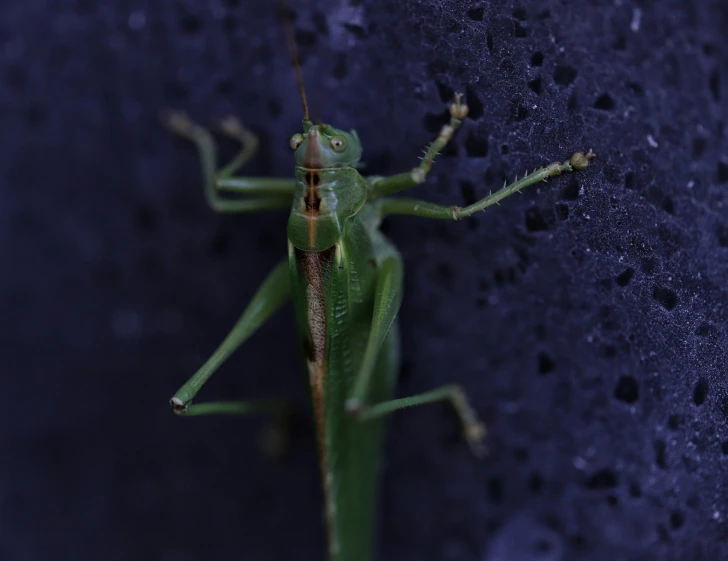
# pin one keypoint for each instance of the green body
(350, 450)
(345, 280)
(333, 290)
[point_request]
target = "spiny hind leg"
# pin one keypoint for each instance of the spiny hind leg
(270, 296)
(268, 299)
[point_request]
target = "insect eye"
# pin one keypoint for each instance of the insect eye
(296, 140)
(338, 143)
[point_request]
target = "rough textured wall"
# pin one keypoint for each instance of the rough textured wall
(586, 318)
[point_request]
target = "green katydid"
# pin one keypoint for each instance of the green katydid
(345, 280)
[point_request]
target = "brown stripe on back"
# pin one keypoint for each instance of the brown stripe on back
(317, 268)
(311, 196)
(312, 200)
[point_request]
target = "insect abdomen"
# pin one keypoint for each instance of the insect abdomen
(333, 295)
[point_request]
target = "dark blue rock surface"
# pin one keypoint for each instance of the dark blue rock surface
(587, 318)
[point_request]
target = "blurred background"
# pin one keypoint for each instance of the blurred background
(586, 318)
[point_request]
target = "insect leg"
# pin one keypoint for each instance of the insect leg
(266, 186)
(272, 294)
(431, 210)
(230, 126)
(240, 407)
(473, 430)
(387, 300)
(388, 185)
(180, 124)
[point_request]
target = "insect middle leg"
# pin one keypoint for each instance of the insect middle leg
(387, 300)
(267, 193)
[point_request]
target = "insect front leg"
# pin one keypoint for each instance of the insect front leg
(387, 185)
(387, 300)
(272, 294)
(426, 209)
(230, 126)
(269, 193)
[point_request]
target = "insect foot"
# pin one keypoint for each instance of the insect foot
(473, 430)
(232, 126)
(177, 121)
(475, 433)
(578, 161)
(458, 110)
(178, 405)
(581, 160)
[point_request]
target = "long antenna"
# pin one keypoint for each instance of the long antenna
(288, 24)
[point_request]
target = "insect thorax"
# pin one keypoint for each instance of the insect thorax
(323, 200)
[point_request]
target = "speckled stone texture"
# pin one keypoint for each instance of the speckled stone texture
(586, 318)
